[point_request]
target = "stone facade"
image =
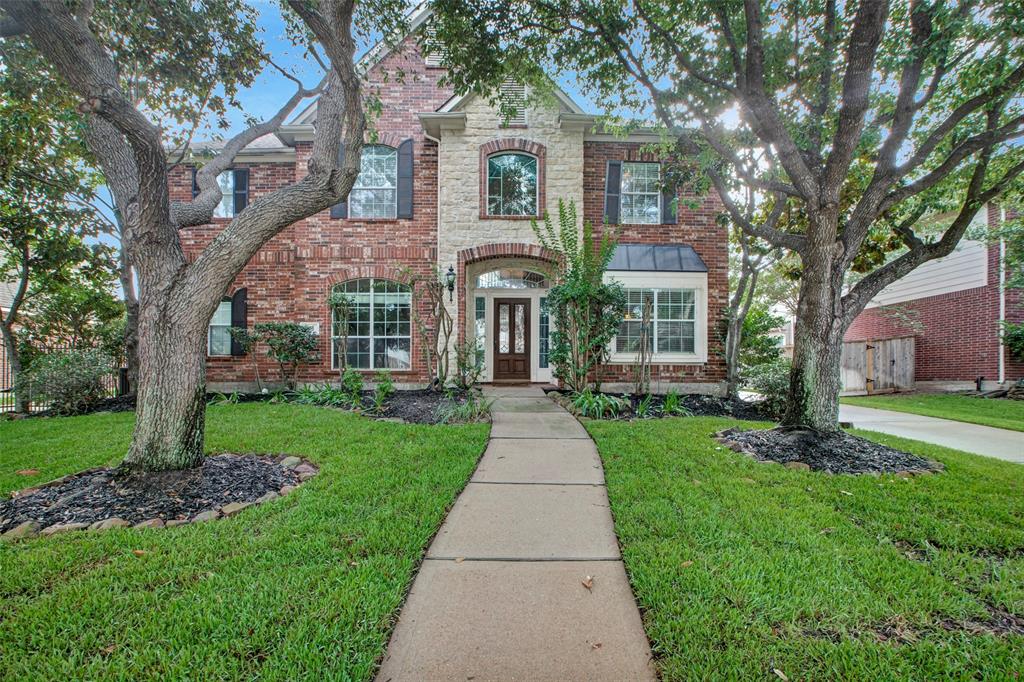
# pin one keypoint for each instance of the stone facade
(291, 277)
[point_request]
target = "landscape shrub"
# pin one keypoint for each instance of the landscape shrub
(474, 409)
(71, 381)
(585, 310)
(352, 384)
(673, 406)
(771, 381)
(468, 364)
(597, 405)
(290, 344)
(383, 389)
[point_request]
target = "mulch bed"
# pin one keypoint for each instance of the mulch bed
(834, 453)
(99, 494)
(699, 405)
(416, 406)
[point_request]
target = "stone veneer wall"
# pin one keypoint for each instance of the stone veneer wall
(460, 226)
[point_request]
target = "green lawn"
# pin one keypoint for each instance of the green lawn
(307, 586)
(1003, 414)
(742, 567)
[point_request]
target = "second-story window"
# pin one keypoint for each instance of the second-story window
(511, 185)
(641, 196)
(234, 192)
(375, 192)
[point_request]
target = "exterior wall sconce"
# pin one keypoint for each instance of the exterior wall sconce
(449, 282)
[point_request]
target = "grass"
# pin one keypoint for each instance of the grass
(1002, 414)
(307, 586)
(743, 568)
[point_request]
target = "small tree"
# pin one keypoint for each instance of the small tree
(341, 305)
(435, 325)
(586, 310)
(290, 344)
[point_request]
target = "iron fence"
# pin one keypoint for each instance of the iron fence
(115, 382)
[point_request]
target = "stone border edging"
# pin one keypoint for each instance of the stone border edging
(303, 468)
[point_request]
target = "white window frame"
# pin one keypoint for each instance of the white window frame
(211, 327)
(372, 337)
(695, 281)
(536, 185)
(356, 187)
(226, 207)
(623, 193)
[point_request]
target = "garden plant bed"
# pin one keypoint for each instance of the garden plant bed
(698, 404)
(416, 406)
(834, 453)
(103, 498)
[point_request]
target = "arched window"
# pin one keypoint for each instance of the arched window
(378, 331)
(511, 184)
(375, 192)
(511, 278)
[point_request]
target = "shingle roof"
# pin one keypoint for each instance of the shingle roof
(657, 258)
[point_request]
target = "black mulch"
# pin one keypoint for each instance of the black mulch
(698, 404)
(835, 453)
(417, 406)
(104, 493)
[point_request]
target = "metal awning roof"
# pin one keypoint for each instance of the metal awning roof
(657, 258)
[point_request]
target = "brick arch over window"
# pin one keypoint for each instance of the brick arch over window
(514, 144)
(388, 139)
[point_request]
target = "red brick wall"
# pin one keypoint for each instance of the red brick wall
(697, 227)
(290, 278)
(956, 334)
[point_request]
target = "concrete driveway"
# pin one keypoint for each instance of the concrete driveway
(980, 440)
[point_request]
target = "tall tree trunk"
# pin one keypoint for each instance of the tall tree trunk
(131, 322)
(171, 394)
(818, 343)
(21, 401)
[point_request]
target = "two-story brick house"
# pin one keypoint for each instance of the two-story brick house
(447, 183)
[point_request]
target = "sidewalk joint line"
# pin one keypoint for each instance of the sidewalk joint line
(521, 559)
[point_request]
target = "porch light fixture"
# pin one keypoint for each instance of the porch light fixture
(449, 282)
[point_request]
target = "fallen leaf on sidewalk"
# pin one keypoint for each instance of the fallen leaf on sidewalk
(588, 583)
(595, 645)
(782, 675)
(459, 559)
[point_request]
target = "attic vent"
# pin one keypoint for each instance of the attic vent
(513, 100)
(433, 51)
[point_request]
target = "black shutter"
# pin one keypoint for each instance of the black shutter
(612, 190)
(668, 204)
(239, 317)
(195, 185)
(241, 189)
(405, 179)
(340, 210)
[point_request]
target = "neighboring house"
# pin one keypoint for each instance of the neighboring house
(446, 184)
(953, 307)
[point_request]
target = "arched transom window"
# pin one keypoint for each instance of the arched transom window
(511, 184)
(511, 278)
(375, 192)
(378, 331)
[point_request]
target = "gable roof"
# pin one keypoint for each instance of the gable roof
(416, 17)
(382, 48)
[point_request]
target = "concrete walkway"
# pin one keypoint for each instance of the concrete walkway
(501, 594)
(981, 440)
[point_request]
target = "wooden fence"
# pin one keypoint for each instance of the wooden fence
(878, 366)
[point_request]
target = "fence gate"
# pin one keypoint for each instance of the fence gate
(878, 366)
